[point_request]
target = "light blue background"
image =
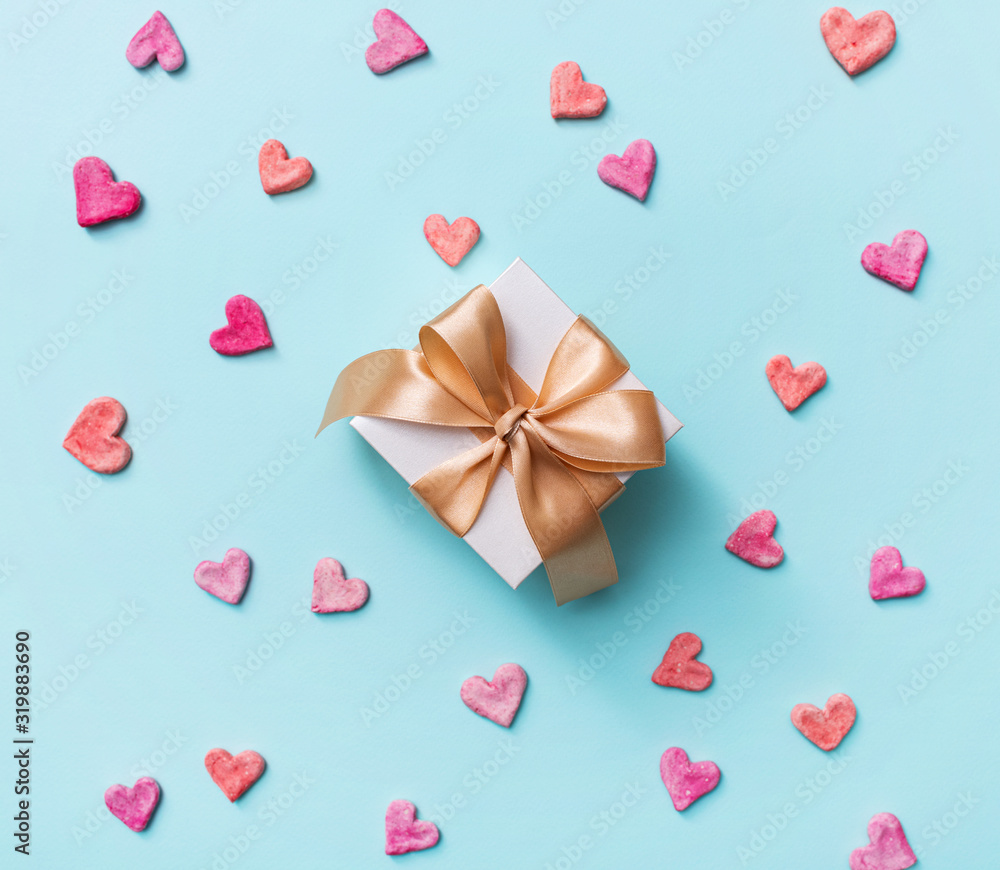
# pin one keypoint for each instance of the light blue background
(169, 675)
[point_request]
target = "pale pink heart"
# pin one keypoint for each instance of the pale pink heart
(156, 40)
(226, 579)
(134, 806)
(899, 264)
(687, 781)
(633, 171)
(888, 848)
(333, 592)
(99, 197)
(397, 43)
(753, 541)
(403, 833)
(497, 700)
(889, 579)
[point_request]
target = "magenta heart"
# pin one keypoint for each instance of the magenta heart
(134, 806)
(333, 592)
(753, 541)
(403, 833)
(889, 579)
(686, 782)
(633, 171)
(226, 579)
(246, 330)
(497, 700)
(99, 197)
(888, 848)
(156, 40)
(397, 43)
(899, 264)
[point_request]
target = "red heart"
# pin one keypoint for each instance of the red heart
(234, 774)
(93, 437)
(278, 174)
(451, 242)
(794, 385)
(859, 44)
(246, 330)
(827, 727)
(571, 97)
(679, 668)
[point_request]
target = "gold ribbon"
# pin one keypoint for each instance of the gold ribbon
(563, 446)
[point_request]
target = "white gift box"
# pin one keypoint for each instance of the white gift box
(535, 320)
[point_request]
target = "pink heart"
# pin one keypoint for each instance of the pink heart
(246, 330)
(686, 782)
(93, 438)
(888, 848)
(397, 43)
(571, 97)
(794, 385)
(451, 242)
(500, 699)
(899, 264)
(234, 774)
(333, 592)
(156, 40)
(857, 44)
(134, 806)
(278, 174)
(826, 727)
(403, 833)
(753, 541)
(99, 197)
(226, 579)
(633, 171)
(889, 579)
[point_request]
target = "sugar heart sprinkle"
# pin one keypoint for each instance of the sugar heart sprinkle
(753, 541)
(226, 580)
(633, 171)
(679, 668)
(403, 833)
(234, 774)
(397, 43)
(889, 579)
(687, 781)
(794, 385)
(278, 174)
(156, 40)
(93, 438)
(571, 97)
(99, 197)
(857, 45)
(134, 806)
(246, 330)
(826, 727)
(333, 591)
(499, 699)
(451, 242)
(900, 263)
(888, 848)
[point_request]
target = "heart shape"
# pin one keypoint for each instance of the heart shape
(396, 43)
(246, 330)
(333, 592)
(686, 782)
(571, 97)
(633, 171)
(498, 700)
(859, 44)
(900, 263)
(753, 541)
(679, 668)
(234, 774)
(794, 385)
(134, 806)
(889, 579)
(826, 727)
(99, 197)
(451, 242)
(156, 40)
(888, 848)
(93, 437)
(403, 833)
(227, 579)
(278, 174)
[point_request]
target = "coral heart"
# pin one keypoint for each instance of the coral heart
(633, 171)
(679, 668)
(93, 437)
(859, 44)
(571, 97)
(900, 263)
(246, 330)
(753, 541)
(403, 833)
(227, 579)
(794, 385)
(889, 579)
(234, 774)
(156, 40)
(397, 43)
(888, 848)
(134, 806)
(333, 592)
(278, 174)
(451, 242)
(827, 727)
(499, 699)
(686, 782)
(99, 197)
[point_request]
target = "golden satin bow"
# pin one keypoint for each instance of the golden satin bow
(563, 446)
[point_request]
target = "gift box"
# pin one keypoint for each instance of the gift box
(540, 334)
